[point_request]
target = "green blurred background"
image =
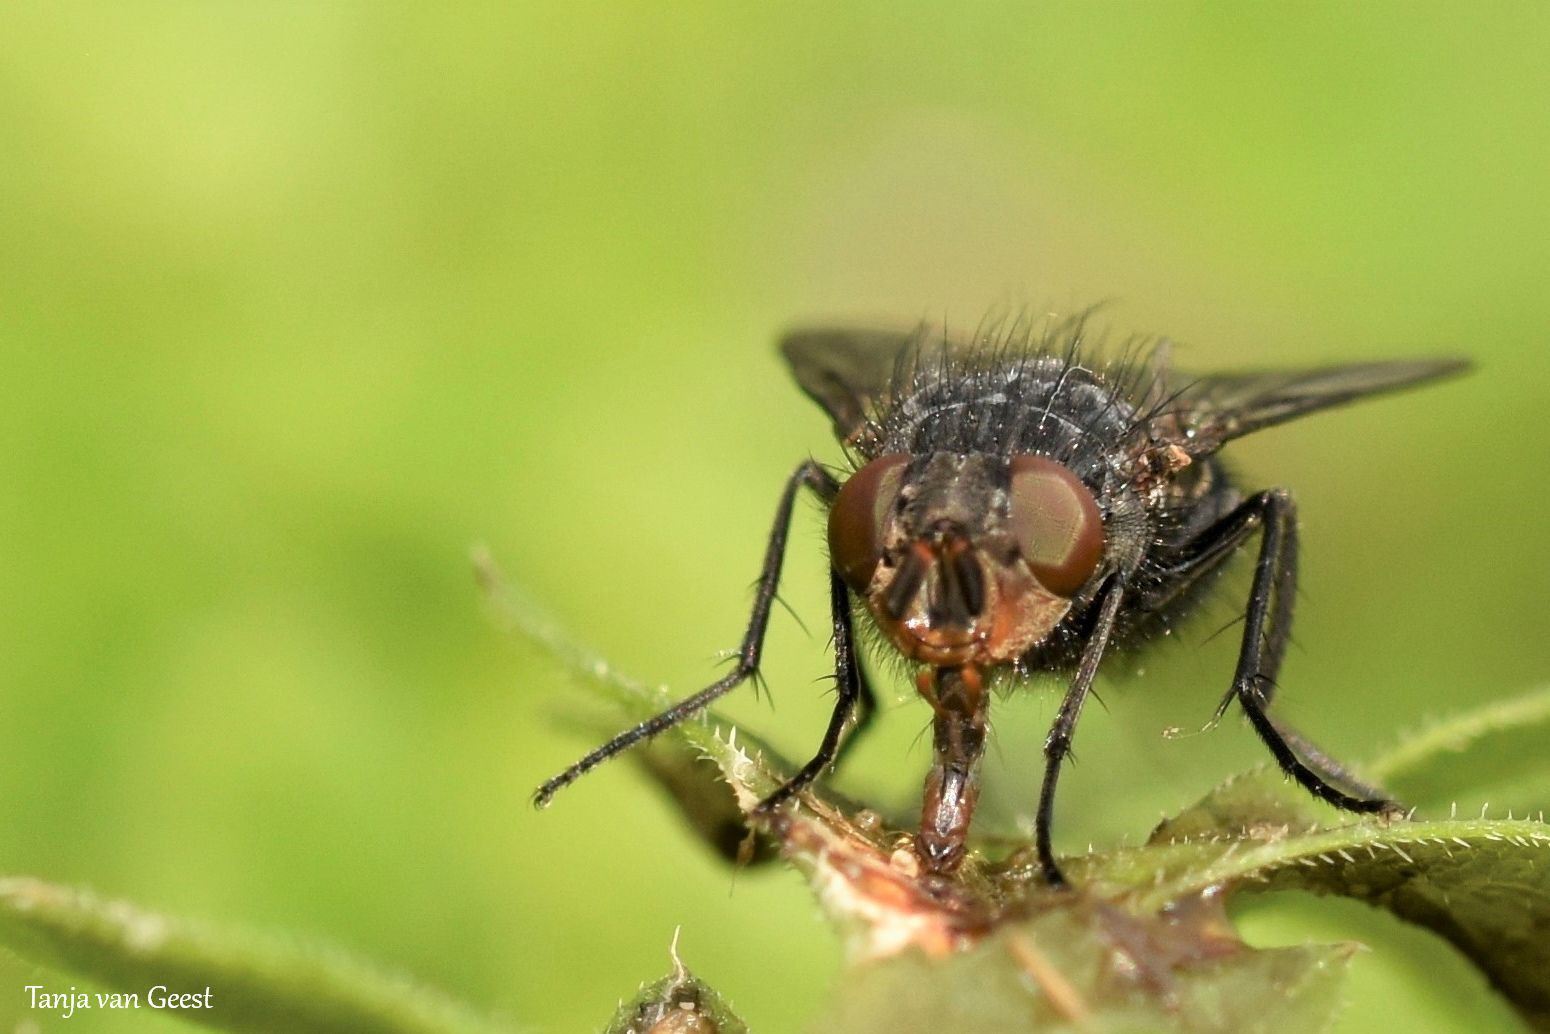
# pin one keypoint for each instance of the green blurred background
(297, 302)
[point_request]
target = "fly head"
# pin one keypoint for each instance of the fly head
(965, 559)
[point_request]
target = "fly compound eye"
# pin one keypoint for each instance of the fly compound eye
(1056, 522)
(857, 517)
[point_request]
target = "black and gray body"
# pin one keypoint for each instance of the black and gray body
(964, 413)
(1014, 505)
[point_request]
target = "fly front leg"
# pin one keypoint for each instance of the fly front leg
(1057, 745)
(810, 475)
(959, 703)
(853, 696)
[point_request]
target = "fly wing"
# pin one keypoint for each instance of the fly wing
(1204, 414)
(848, 371)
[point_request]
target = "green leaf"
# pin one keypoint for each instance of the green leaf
(1092, 968)
(994, 949)
(1483, 884)
(255, 983)
(1439, 743)
(1494, 753)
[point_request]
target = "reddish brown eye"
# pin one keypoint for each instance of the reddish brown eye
(1057, 524)
(857, 516)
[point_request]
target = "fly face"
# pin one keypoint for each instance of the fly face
(965, 559)
(1014, 506)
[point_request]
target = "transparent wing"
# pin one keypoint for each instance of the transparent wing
(1205, 413)
(848, 371)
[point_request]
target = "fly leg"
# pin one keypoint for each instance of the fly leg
(853, 696)
(1057, 745)
(1331, 770)
(959, 701)
(1267, 627)
(809, 474)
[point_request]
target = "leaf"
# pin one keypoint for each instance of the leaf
(1097, 970)
(1491, 753)
(1434, 745)
(1483, 884)
(255, 983)
(679, 1003)
(705, 801)
(1491, 899)
(994, 949)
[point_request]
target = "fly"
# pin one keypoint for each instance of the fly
(1012, 507)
